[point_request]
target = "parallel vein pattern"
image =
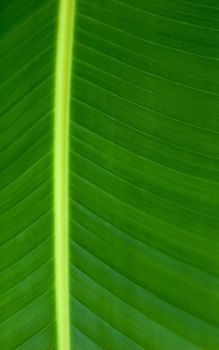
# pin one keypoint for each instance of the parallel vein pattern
(27, 319)
(144, 175)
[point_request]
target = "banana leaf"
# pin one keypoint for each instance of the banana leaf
(109, 173)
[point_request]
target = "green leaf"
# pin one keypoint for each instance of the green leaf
(109, 170)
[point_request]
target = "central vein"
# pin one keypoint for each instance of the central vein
(61, 168)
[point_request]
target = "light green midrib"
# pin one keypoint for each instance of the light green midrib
(64, 50)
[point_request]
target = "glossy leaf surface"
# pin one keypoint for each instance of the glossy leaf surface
(143, 174)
